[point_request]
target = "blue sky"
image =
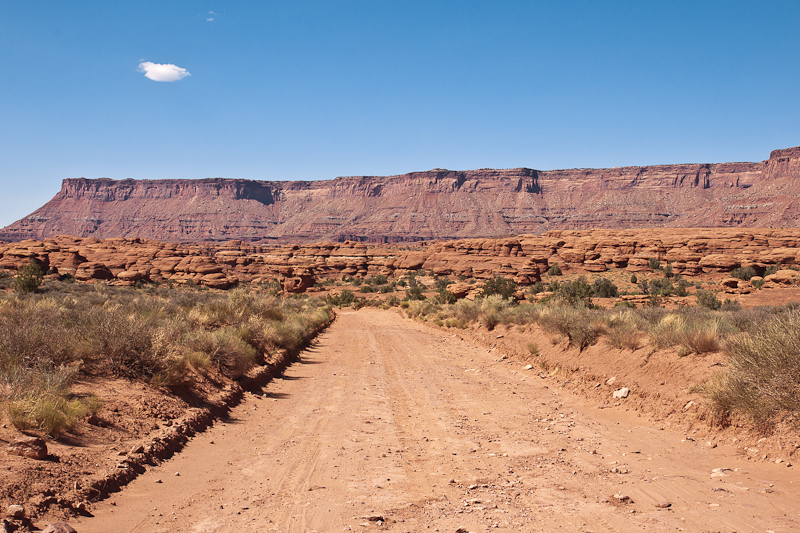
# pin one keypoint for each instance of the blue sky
(315, 90)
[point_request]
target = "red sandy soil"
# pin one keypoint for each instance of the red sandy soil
(387, 424)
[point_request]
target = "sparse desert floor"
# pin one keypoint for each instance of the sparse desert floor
(387, 424)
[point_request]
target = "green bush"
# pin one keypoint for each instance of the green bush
(603, 288)
(554, 270)
(536, 288)
(576, 293)
(744, 273)
(505, 288)
(708, 299)
(29, 278)
(654, 263)
(634, 279)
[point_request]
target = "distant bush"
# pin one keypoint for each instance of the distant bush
(536, 288)
(772, 269)
(744, 273)
(708, 299)
(634, 279)
(554, 270)
(29, 278)
(503, 287)
(654, 263)
(668, 271)
(603, 288)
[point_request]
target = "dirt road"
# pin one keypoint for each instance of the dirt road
(389, 425)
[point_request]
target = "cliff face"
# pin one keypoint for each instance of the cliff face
(438, 204)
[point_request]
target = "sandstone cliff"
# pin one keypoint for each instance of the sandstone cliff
(524, 258)
(438, 204)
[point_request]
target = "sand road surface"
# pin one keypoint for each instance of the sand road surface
(386, 424)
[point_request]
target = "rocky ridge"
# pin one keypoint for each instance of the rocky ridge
(525, 258)
(438, 204)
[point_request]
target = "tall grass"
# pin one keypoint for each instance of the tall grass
(161, 336)
(763, 378)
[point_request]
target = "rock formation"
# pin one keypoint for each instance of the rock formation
(296, 267)
(438, 204)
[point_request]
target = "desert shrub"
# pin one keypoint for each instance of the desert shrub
(659, 287)
(493, 310)
(29, 278)
(577, 324)
(634, 279)
(466, 310)
(39, 398)
(575, 293)
(446, 297)
(604, 288)
(654, 263)
(708, 299)
(772, 269)
(730, 305)
(763, 377)
(758, 283)
(505, 288)
(533, 348)
(668, 271)
(625, 337)
(522, 314)
(420, 308)
(536, 288)
(367, 288)
(343, 299)
(554, 270)
(377, 279)
(744, 273)
(393, 300)
(415, 293)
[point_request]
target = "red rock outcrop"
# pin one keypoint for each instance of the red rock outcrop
(438, 204)
(524, 258)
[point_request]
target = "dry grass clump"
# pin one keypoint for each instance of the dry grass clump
(161, 336)
(763, 378)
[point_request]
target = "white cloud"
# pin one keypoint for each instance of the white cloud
(159, 72)
(210, 17)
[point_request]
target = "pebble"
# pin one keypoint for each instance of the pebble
(59, 527)
(622, 393)
(664, 505)
(15, 511)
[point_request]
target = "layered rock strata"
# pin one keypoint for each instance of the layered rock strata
(438, 204)
(525, 258)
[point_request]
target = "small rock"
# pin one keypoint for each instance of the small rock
(720, 472)
(30, 447)
(528, 367)
(59, 527)
(158, 481)
(622, 393)
(711, 444)
(17, 512)
(137, 449)
(177, 474)
(664, 505)
(610, 381)
(373, 518)
(622, 498)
